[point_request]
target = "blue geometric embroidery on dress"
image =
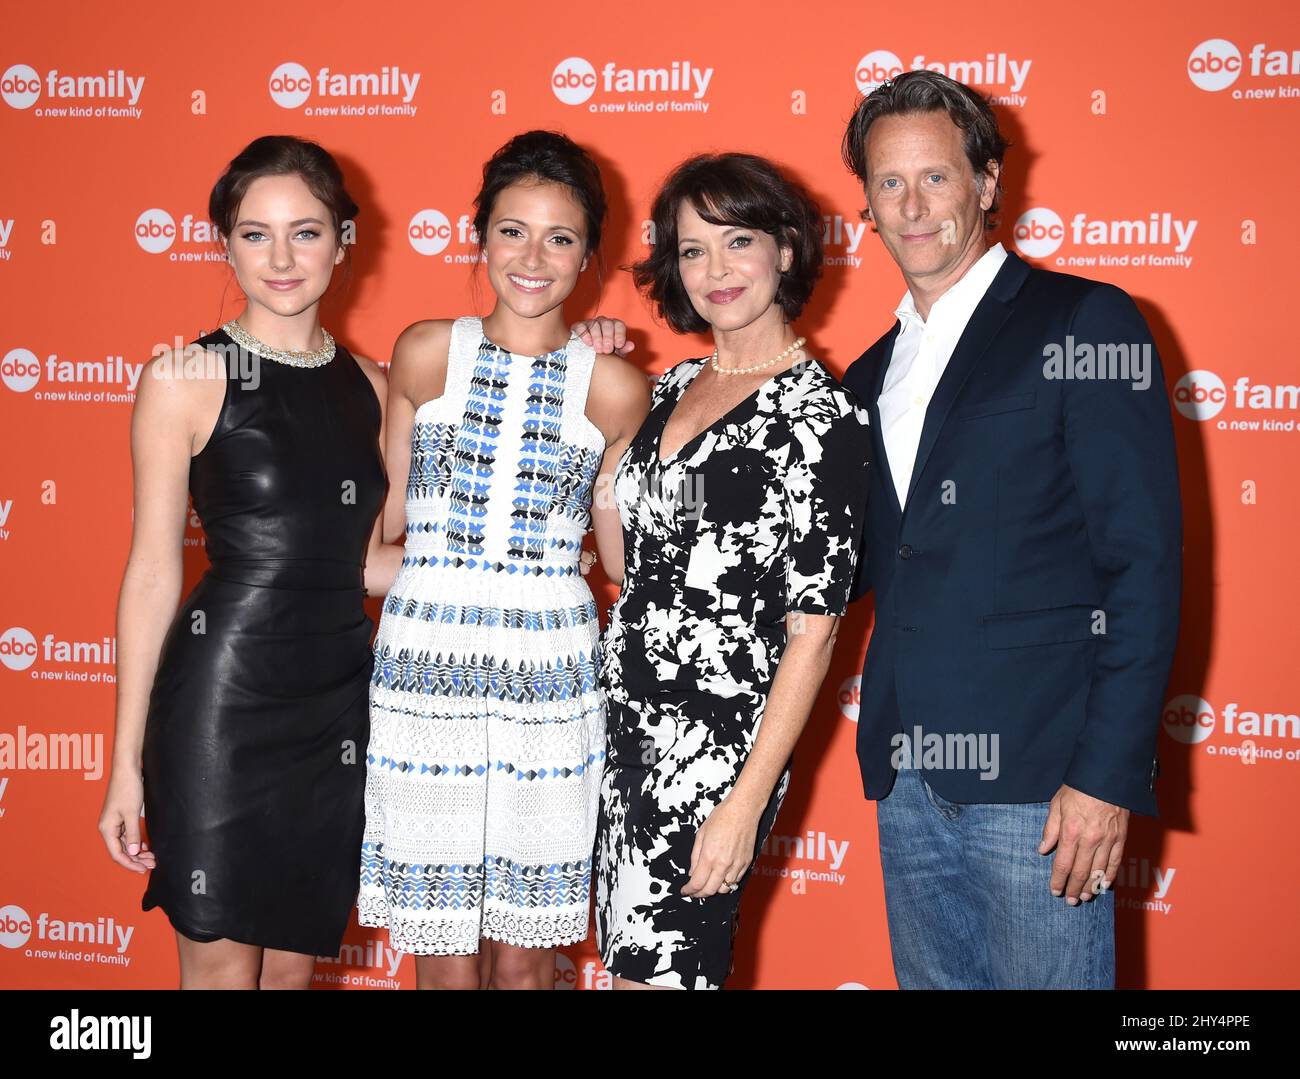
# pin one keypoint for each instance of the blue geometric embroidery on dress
(456, 614)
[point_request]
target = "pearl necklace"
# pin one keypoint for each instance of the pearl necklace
(316, 358)
(798, 343)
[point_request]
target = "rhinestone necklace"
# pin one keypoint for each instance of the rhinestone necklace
(317, 358)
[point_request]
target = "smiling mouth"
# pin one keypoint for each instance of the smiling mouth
(284, 286)
(724, 295)
(529, 284)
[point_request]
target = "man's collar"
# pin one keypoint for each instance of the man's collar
(975, 280)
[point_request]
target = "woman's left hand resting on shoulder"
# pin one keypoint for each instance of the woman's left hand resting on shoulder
(724, 844)
(606, 335)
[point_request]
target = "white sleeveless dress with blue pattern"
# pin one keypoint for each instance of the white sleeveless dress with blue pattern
(487, 735)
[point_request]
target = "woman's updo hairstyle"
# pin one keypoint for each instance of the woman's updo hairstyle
(547, 157)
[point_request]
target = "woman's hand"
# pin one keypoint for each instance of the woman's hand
(383, 561)
(119, 823)
(724, 847)
(605, 335)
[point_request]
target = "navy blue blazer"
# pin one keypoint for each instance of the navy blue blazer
(1030, 588)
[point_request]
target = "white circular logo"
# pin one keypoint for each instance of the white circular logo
(1188, 719)
(20, 86)
(850, 696)
(155, 231)
(853, 985)
(17, 648)
(1214, 64)
(20, 369)
(1038, 232)
(566, 974)
(874, 68)
(290, 85)
(15, 926)
(573, 80)
(1200, 395)
(429, 232)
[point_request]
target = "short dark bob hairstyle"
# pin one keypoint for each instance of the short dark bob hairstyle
(929, 91)
(731, 189)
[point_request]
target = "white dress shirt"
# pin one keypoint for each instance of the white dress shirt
(921, 352)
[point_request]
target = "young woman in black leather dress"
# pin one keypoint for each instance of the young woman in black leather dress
(242, 718)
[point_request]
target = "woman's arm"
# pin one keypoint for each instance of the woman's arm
(416, 375)
(617, 403)
(824, 502)
(724, 844)
(382, 559)
(162, 438)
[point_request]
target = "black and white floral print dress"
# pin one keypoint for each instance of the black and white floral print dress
(758, 515)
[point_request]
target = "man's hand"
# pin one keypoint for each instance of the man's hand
(1091, 836)
(605, 335)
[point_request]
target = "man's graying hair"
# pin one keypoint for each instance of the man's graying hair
(929, 91)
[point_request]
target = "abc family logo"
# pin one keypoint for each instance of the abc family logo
(1201, 395)
(430, 231)
(156, 230)
(21, 87)
(21, 371)
(1040, 232)
(17, 928)
(20, 648)
(1217, 63)
(997, 70)
(679, 87)
(1191, 719)
(390, 91)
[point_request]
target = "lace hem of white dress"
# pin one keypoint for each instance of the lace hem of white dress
(444, 935)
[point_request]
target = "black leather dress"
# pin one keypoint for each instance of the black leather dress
(255, 746)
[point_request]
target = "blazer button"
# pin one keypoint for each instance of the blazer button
(905, 551)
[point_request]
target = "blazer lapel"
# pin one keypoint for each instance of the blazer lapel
(987, 319)
(873, 411)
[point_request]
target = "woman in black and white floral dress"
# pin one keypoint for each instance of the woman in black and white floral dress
(742, 501)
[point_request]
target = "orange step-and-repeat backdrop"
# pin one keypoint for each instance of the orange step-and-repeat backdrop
(1154, 147)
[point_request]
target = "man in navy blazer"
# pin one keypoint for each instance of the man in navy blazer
(1023, 542)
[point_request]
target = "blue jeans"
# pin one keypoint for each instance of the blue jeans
(969, 901)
